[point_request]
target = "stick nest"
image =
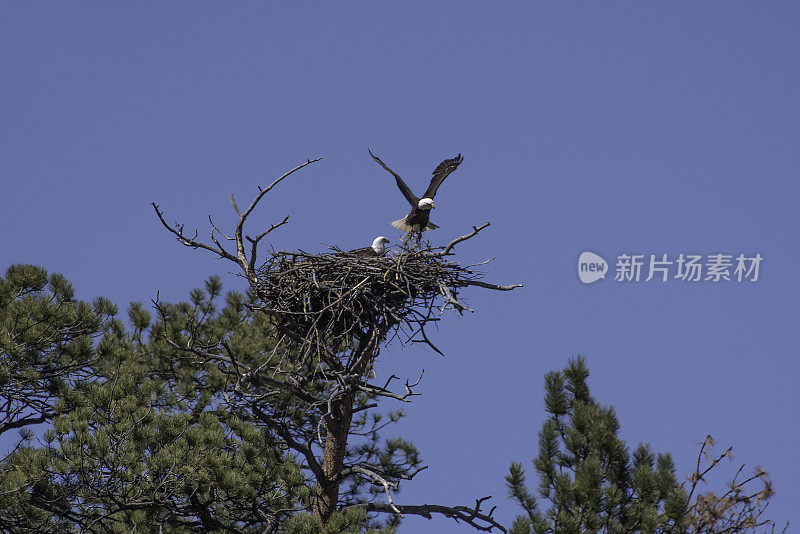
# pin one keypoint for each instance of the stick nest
(340, 297)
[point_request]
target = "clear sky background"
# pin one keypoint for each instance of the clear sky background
(616, 127)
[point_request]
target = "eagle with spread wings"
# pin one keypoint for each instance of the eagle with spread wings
(418, 219)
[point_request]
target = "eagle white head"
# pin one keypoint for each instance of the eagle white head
(379, 245)
(426, 204)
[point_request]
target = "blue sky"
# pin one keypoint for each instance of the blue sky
(618, 127)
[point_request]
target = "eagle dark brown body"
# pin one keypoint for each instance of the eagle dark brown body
(418, 220)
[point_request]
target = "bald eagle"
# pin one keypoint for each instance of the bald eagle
(418, 220)
(377, 249)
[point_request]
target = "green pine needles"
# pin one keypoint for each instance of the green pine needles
(137, 438)
(589, 481)
(586, 474)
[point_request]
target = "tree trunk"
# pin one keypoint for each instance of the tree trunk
(337, 425)
(338, 430)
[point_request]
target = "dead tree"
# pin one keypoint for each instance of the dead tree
(740, 508)
(315, 388)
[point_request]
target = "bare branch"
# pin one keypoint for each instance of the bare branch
(387, 486)
(246, 264)
(470, 515)
(235, 207)
(496, 287)
(451, 300)
(427, 341)
(191, 241)
(456, 241)
(243, 261)
(384, 392)
(254, 242)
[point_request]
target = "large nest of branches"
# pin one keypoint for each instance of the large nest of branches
(340, 297)
(326, 302)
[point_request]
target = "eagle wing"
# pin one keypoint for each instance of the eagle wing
(440, 173)
(400, 183)
(364, 251)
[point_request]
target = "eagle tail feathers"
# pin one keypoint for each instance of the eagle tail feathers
(401, 224)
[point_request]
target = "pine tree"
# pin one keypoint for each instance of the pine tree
(236, 413)
(587, 474)
(329, 315)
(145, 438)
(592, 483)
(45, 343)
(139, 440)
